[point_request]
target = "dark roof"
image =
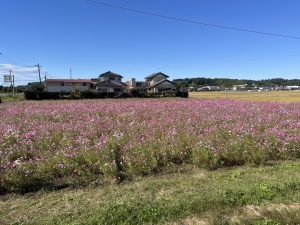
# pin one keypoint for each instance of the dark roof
(159, 82)
(155, 74)
(109, 73)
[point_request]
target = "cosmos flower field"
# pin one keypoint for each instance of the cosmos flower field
(62, 143)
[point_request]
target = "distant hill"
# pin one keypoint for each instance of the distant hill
(227, 83)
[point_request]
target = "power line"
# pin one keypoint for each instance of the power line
(1, 79)
(191, 21)
(23, 70)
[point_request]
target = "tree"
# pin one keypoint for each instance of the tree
(36, 87)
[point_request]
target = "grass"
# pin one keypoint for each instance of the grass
(181, 195)
(274, 96)
(12, 98)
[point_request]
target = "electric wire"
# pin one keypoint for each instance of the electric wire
(191, 21)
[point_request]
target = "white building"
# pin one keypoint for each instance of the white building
(158, 82)
(67, 85)
(209, 88)
(292, 88)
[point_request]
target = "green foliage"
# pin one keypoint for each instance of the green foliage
(212, 196)
(11, 98)
(36, 87)
(224, 82)
(76, 94)
(182, 94)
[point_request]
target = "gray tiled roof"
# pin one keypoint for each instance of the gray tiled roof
(109, 73)
(155, 74)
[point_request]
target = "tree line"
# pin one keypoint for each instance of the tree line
(228, 83)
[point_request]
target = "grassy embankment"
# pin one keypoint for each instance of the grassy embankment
(273, 96)
(12, 98)
(242, 195)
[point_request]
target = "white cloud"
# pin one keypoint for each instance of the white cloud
(18, 69)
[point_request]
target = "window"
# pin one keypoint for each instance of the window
(111, 78)
(83, 84)
(62, 84)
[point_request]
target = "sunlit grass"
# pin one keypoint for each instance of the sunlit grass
(12, 98)
(273, 96)
(182, 195)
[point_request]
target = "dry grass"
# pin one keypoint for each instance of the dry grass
(274, 96)
(268, 214)
(190, 221)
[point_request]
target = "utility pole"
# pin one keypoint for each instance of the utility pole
(70, 73)
(45, 81)
(39, 70)
(13, 78)
(12, 82)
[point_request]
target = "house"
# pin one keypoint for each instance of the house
(266, 88)
(292, 88)
(110, 82)
(67, 85)
(279, 88)
(245, 87)
(158, 82)
(209, 88)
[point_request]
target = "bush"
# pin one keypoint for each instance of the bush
(30, 95)
(36, 87)
(90, 94)
(111, 95)
(123, 95)
(37, 95)
(134, 93)
(49, 95)
(76, 94)
(182, 94)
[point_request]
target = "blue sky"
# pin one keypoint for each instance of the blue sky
(92, 39)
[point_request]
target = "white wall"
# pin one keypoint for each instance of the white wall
(67, 87)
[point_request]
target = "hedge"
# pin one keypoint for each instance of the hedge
(37, 95)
